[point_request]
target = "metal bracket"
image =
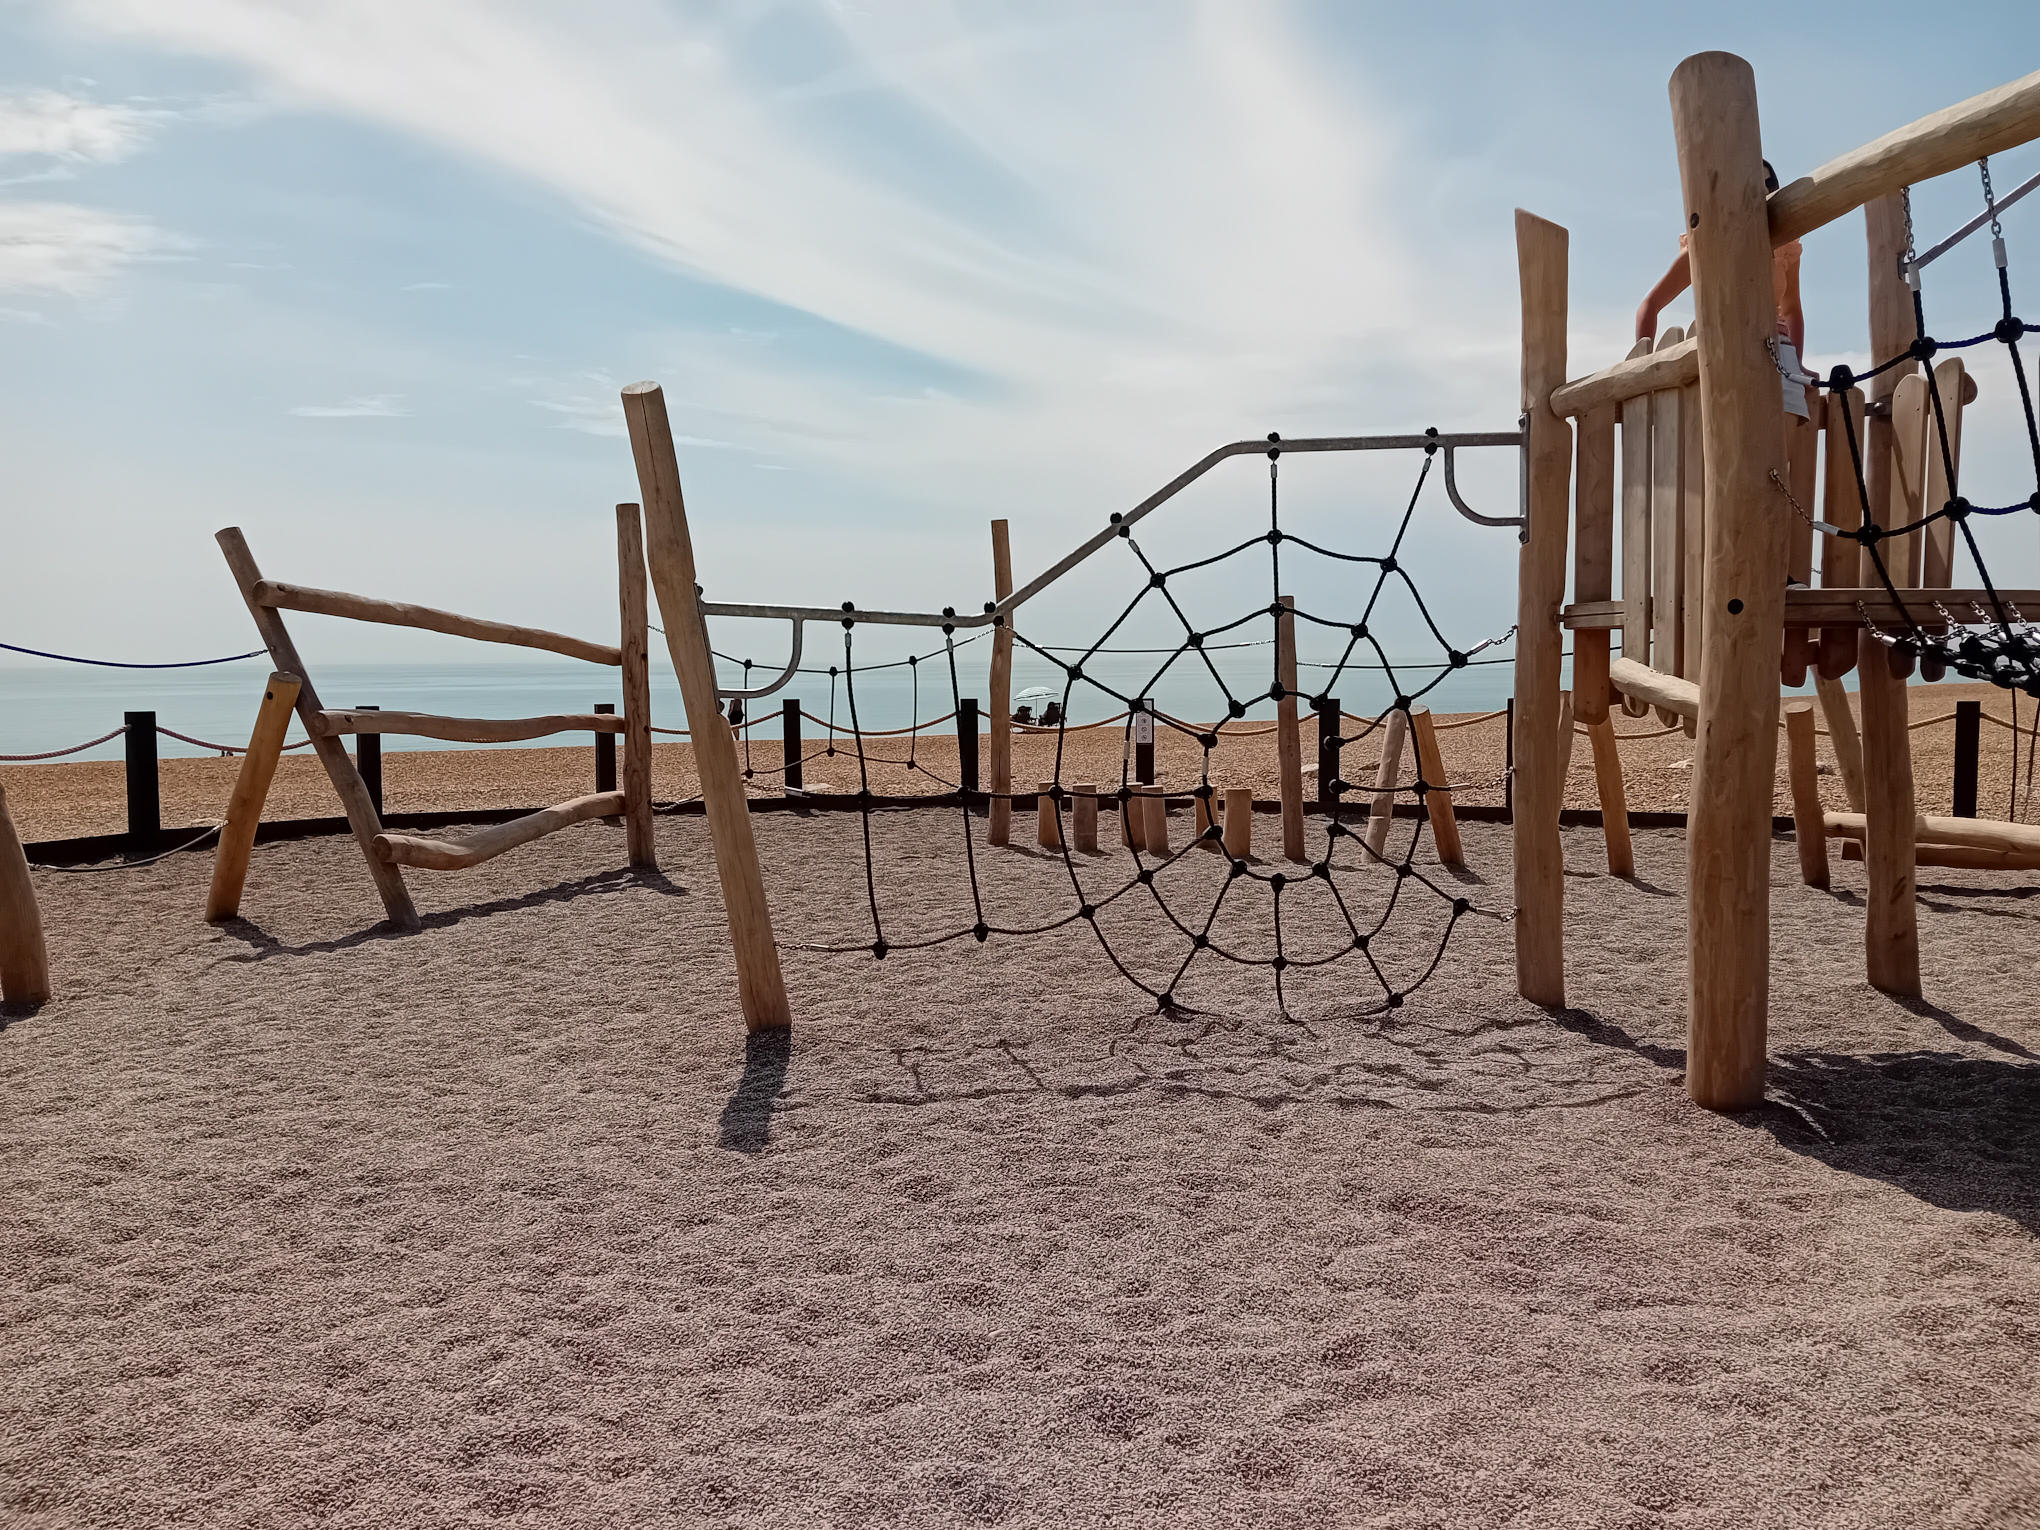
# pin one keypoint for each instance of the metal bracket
(792, 663)
(1521, 520)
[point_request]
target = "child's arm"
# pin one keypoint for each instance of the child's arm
(1670, 285)
(1789, 309)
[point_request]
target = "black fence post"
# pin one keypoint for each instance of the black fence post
(605, 752)
(144, 791)
(1143, 721)
(368, 760)
(967, 746)
(1968, 744)
(790, 749)
(1509, 764)
(1330, 723)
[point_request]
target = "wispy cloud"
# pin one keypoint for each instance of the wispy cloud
(426, 286)
(67, 127)
(371, 406)
(58, 248)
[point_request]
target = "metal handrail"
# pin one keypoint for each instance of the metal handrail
(995, 612)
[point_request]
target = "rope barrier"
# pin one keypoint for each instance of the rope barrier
(67, 658)
(57, 754)
(81, 871)
(203, 743)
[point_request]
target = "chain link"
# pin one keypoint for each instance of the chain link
(1997, 229)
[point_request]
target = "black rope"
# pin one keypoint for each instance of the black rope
(66, 658)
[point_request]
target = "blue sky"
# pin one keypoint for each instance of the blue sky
(365, 278)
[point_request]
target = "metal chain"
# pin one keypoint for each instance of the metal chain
(1908, 263)
(1997, 229)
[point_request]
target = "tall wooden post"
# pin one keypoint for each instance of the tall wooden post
(634, 612)
(1381, 806)
(760, 988)
(362, 816)
(1001, 828)
(144, 784)
(1614, 801)
(1802, 768)
(1288, 736)
(368, 761)
(1891, 933)
(24, 959)
(1714, 119)
(1541, 261)
(251, 790)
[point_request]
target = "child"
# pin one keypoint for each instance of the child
(1784, 288)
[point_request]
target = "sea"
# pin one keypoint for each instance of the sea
(46, 705)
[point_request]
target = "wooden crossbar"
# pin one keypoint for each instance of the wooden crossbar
(392, 613)
(1673, 367)
(431, 854)
(464, 730)
(1654, 686)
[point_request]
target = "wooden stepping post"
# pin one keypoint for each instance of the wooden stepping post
(1381, 806)
(1203, 799)
(1084, 819)
(1842, 736)
(761, 990)
(635, 612)
(24, 959)
(1047, 816)
(251, 790)
(1133, 822)
(1155, 827)
(1239, 821)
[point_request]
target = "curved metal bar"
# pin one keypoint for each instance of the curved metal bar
(1452, 493)
(792, 664)
(1517, 438)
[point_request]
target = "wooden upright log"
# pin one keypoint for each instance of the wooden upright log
(1937, 557)
(1239, 822)
(1593, 556)
(24, 958)
(1614, 801)
(1842, 738)
(1438, 794)
(1667, 528)
(362, 817)
(1636, 555)
(1891, 921)
(1084, 819)
(1000, 829)
(251, 790)
(1541, 261)
(1154, 802)
(1841, 505)
(1047, 816)
(1381, 805)
(1288, 737)
(1714, 120)
(760, 988)
(1567, 715)
(634, 611)
(1809, 824)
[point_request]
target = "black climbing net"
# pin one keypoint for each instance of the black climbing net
(2003, 647)
(1198, 932)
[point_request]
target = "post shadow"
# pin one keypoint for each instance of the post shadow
(746, 1125)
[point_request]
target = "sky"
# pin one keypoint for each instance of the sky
(365, 279)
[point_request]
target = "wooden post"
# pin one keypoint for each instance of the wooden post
(1891, 921)
(144, 787)
(1593, 555)
(1437, 799)
(1540, 585)
(1809, 819)
(1509, 760)
(368, 761)
(1000, 830)
(1155, 825)
(1047, 816)
(634, 612)
(1084, 819)
(966, 746)
(1381, 805)
(760, 988)
(1968, 745)
(1142, 722)
(791, 751)
(1667, 532)
(362, 816)
(1636, 564)
(1614, 803)
(1566, 734)
(1937, 566)
(251, 790)
(1714, 120)
(1201, 799)
(1288, 738)
(605, 751)
(1840, 557)
(1132, 820)
(1842, 736)
(24, 959)
(1239, 822)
